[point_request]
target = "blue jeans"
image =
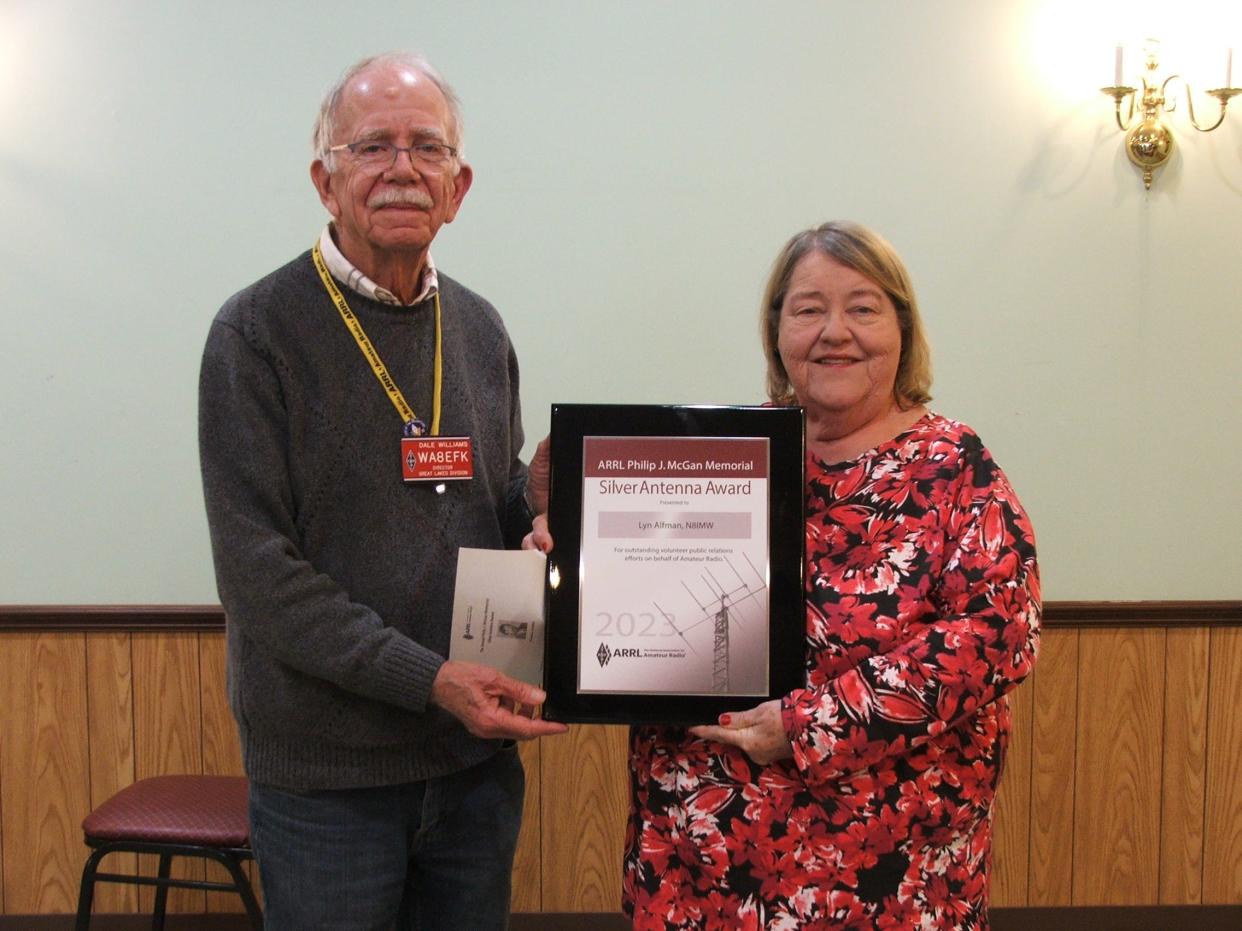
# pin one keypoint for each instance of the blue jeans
(421, 856)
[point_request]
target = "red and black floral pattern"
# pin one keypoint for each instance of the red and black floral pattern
(922, 611)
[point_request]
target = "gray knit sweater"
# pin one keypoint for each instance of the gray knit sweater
(337, 577)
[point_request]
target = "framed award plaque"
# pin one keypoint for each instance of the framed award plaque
(675, 585)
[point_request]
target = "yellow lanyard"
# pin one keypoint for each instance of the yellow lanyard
(408, 416)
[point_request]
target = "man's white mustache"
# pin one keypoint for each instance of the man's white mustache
(398, 195)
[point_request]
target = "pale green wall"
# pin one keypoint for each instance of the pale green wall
(637, 167)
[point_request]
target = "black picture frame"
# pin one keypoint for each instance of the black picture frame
(571, 424)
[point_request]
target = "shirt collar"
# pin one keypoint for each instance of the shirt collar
(344, 271)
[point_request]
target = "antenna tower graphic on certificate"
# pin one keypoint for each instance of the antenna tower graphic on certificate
(720, 605)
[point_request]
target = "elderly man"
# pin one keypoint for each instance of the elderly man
(385, 784)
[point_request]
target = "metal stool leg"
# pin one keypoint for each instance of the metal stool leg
(242, 881)
(161, 893)
(86, 894)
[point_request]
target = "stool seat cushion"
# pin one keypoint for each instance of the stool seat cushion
(208, 811)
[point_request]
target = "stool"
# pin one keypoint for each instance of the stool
(172, 816)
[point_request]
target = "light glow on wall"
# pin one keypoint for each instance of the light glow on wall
(29, 33)
(8, 67)
(1071, 45)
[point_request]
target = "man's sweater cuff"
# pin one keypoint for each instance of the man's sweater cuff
(407, 673)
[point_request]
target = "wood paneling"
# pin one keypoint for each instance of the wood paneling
(1012, 813)
(1117, 771)
(585, 800)
(1184, 767)
(1222, 872)
(168, 734)
(4, 656)
(44, 770)
(1055, 686)
(221, 748)
(1122, 783)
(527, 863)
(110, 732)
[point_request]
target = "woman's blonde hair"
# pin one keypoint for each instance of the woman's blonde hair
(868, 253)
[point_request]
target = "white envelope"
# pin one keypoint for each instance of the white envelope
(498, 611)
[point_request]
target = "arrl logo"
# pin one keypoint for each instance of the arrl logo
(410, 461)
(603, 654)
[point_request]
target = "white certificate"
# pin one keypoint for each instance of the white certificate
(673, 566)
(498, 611)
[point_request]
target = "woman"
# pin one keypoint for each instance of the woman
(864, 799)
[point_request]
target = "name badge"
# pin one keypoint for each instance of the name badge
(436, 458)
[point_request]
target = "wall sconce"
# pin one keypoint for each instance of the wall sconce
(1149, 141)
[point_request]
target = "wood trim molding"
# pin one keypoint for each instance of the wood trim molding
(135, 618)
(198, 618)
(1143, 613)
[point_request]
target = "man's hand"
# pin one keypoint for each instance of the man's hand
(538, 476)
(490, 703)
(759, 732)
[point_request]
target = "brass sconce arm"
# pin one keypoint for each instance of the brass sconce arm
(1120, 93)
(1222, 94)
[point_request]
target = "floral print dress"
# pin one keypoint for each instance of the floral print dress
(922, 611)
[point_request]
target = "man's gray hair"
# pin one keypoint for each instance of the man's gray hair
(325, 122)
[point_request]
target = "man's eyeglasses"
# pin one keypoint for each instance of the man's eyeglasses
(384, 154)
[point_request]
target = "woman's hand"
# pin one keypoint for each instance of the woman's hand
(537, 497)
(759, 732)
(538, 538)
(538, 476)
